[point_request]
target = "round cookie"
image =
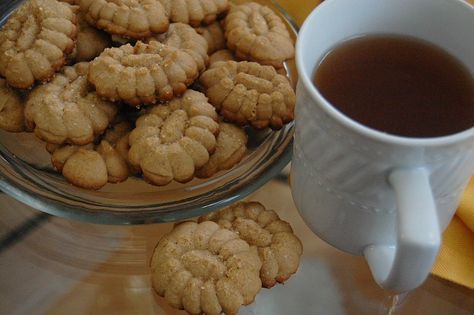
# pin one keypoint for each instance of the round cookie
(137, 19)
(249, 93)
(142, 74)
(255, 33)
(279, 249)
(172, 140)
(35, 41)
(230, 149)
(195, 12)
(66, 111)
(11, 109)
(205, 269)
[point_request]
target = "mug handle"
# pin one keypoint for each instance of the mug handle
(405, 265)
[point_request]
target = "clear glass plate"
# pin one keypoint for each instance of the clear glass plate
(27, 175)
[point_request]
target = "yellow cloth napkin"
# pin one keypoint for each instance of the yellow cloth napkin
(455, 261)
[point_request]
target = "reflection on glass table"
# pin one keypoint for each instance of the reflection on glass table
(50, 265)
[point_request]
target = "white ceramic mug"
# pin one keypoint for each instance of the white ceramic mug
(365, 192)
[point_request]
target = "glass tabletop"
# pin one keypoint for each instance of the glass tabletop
(50, 265)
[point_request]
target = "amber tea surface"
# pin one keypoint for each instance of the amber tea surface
(398, 85)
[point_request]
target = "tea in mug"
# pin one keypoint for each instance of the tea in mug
(399, 85)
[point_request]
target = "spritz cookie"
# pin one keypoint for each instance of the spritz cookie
(172, 140)
(142, 74)
(205, 269)
(35, 42)
(255, 33)
(249, 93)
(137, 19)
(67, 110)
(279, 249)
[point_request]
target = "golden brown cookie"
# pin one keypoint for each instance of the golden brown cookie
(256, 33)
(221, 55)
(35, 41)
(205, 269)
(90, 41)
(91, 167)
(230, 149)
(171, 140)
(279, 249)
(128, 18)
(142, 74)
(184, 37)
(195, 12)
(249, 93)
(66, 110)
(214, 35)
(11, 109)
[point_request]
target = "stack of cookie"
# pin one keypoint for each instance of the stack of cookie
(180, 80)
(221, 262)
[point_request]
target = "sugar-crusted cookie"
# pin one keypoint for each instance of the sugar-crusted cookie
(172, 140)
(142, 74)
(65, 110)
(128, 18)
(256, 33)
(195, 12)
(230, 149)
(249, 93)
(214, 35)
(184, 37)
(279, 249)
(11, 109)
(35, 41)
(90, 166)
(205, 268)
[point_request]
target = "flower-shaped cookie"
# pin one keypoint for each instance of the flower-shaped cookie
(35, 41)
(279, 249)
(65, 110)
(11, 109)
(204, 268)
(90, 41)
(230, 149)
(91, 167)
(249, 93)
(256, 33)
(195, 12)
(128, 18)
(172, 140)
(214, 35)
(142, 74)
(184, 37)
